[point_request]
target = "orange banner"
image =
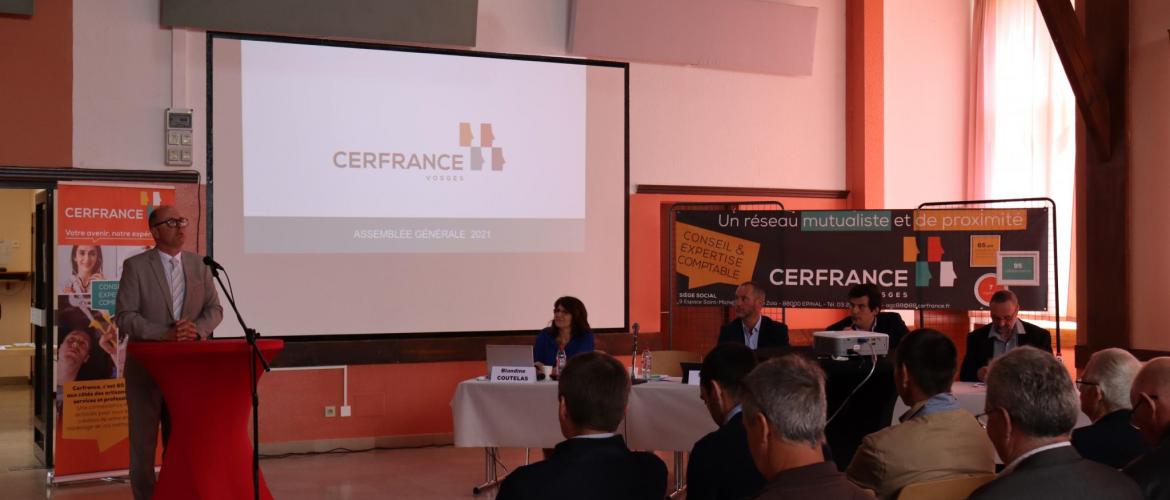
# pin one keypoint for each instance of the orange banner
(707, 257)
(107, 215)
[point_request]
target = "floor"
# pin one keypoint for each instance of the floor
(405, 474)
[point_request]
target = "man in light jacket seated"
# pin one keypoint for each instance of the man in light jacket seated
(1030, 411)
(936, 439)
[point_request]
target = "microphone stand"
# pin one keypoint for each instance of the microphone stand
(250, 335)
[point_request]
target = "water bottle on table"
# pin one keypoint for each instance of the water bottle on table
(561, 360)
(647, 363)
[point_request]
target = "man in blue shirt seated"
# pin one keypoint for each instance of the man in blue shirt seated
(720, 466)
(1104, 388)
(592, 462)
(865, 305)
(751, 327)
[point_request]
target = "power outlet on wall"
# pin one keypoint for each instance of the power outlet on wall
(330, 411)
(345, 411)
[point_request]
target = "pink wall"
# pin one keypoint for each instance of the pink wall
(926, 91)
(1149, 134)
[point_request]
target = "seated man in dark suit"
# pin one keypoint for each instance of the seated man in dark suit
(592, 462)
(784, 408)
(1030, 410)
(1104, 388)
(721, 466)
(1005, 332)
(752, 328)
(1150, 397)
(865, 304)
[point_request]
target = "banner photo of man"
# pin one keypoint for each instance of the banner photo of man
(99, 227)
(921, 259)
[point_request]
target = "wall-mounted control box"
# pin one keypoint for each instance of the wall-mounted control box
(178, 137)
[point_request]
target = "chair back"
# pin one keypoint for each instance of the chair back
(669, 362)
(956, 488)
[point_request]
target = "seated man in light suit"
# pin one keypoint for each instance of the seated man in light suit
(1030, 411)
(936, 439)
(1005, 332)
(751, 327)
(592, 462)
(865, 304)
(720, 466)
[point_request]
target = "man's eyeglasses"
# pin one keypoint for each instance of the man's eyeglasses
(1143, 397)
(1082, 384)
(173, 222)
(982, 418)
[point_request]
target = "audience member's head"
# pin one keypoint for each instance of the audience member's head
(784, 413)
(1004, 307)
(1105, 383)
(1031, 402)
(721, 378)
(1150, 398)
(593, 390)
(924, 365)
(749, 300)
(865, 301)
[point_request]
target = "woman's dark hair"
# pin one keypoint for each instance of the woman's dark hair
(97, 266)
(576, 309)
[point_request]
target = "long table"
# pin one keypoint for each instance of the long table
(663, 415)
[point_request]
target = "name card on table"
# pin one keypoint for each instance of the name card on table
(513, 374)
(693, 377)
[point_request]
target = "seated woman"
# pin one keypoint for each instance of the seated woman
(569, 331)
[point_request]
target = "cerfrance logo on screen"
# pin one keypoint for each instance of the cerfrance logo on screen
(475, 151)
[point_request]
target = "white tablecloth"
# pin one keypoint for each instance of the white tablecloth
(662, 415)
(971, 396)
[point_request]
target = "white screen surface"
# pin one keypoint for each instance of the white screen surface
(364, 191)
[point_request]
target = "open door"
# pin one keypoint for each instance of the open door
(42, 327)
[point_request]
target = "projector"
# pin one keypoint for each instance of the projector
(850, 343)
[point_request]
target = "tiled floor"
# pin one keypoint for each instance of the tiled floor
(406, 474)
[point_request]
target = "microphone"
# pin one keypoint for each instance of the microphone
(634, 354)
(212, 263)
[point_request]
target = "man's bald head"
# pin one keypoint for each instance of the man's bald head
(1154, 378)
(1150, 396)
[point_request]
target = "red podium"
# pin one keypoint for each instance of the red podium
(207, 392)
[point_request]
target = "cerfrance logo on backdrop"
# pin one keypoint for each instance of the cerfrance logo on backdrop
(477, 152)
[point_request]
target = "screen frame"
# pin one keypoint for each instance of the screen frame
(625, 67)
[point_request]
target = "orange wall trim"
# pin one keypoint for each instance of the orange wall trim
(864, 95)
(36, 90)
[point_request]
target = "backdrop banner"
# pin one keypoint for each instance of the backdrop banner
(921, 259)
(99, 227)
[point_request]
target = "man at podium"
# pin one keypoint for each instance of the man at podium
(165, 294)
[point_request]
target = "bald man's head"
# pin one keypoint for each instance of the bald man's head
(1150, 396)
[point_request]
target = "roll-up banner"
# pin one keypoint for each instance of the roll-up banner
(98, 227)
